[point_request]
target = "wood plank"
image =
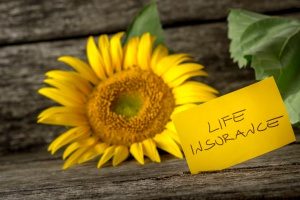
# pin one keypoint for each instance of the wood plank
(31, 20)
(38, 176)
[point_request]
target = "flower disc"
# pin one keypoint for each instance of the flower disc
(157, 104)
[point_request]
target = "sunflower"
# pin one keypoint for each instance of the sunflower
(121, 101)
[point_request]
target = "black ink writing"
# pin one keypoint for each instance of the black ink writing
(257, 128)
(225, 120)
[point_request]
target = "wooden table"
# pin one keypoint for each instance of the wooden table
(34, 33)
(37, 175)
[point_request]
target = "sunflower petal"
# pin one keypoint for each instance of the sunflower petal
(171, 131)
(121, 153)
(160, 52)
(104, 48)
(176, 72)
(89, 141)
(150, 150)
(116, 51)
(67, 137)
(108, 154)
(166, 143)
(72, 160)
(88, 155)
(100, 148)
(136, 150)
(86, 142)
(205, 96)
(60, 109)
(94, 151)
(181, 108)
(144, 51)
(68, 90)
(81, 67)
(130, 59)
(95, 59)
(192, 99)
(170, 126)
(195, 86)
(64, 119)
(183, 78)
(174, 136)
(70, 149)
(71, 78)
(169, 62)
(57, 96)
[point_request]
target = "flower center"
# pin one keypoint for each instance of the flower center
(130, 107)
(127, 105)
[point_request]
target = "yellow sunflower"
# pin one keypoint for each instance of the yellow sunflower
(121, 101)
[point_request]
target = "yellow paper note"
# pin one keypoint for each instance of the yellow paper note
(234, 128)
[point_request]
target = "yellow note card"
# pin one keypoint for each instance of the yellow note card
(234, 128)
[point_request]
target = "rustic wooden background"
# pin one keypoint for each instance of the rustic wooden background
(33, 33)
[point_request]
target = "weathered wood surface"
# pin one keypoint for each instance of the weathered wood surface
(34, 20)
(38, 176)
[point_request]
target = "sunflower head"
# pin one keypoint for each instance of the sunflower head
(121, 101)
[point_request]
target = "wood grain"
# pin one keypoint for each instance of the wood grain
(38, 176)
(34, 20)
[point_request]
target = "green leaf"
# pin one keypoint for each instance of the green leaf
(289, 81)
(238, 21)
(292, 102)
(265, 41)
(147, 21)
(271, 46)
